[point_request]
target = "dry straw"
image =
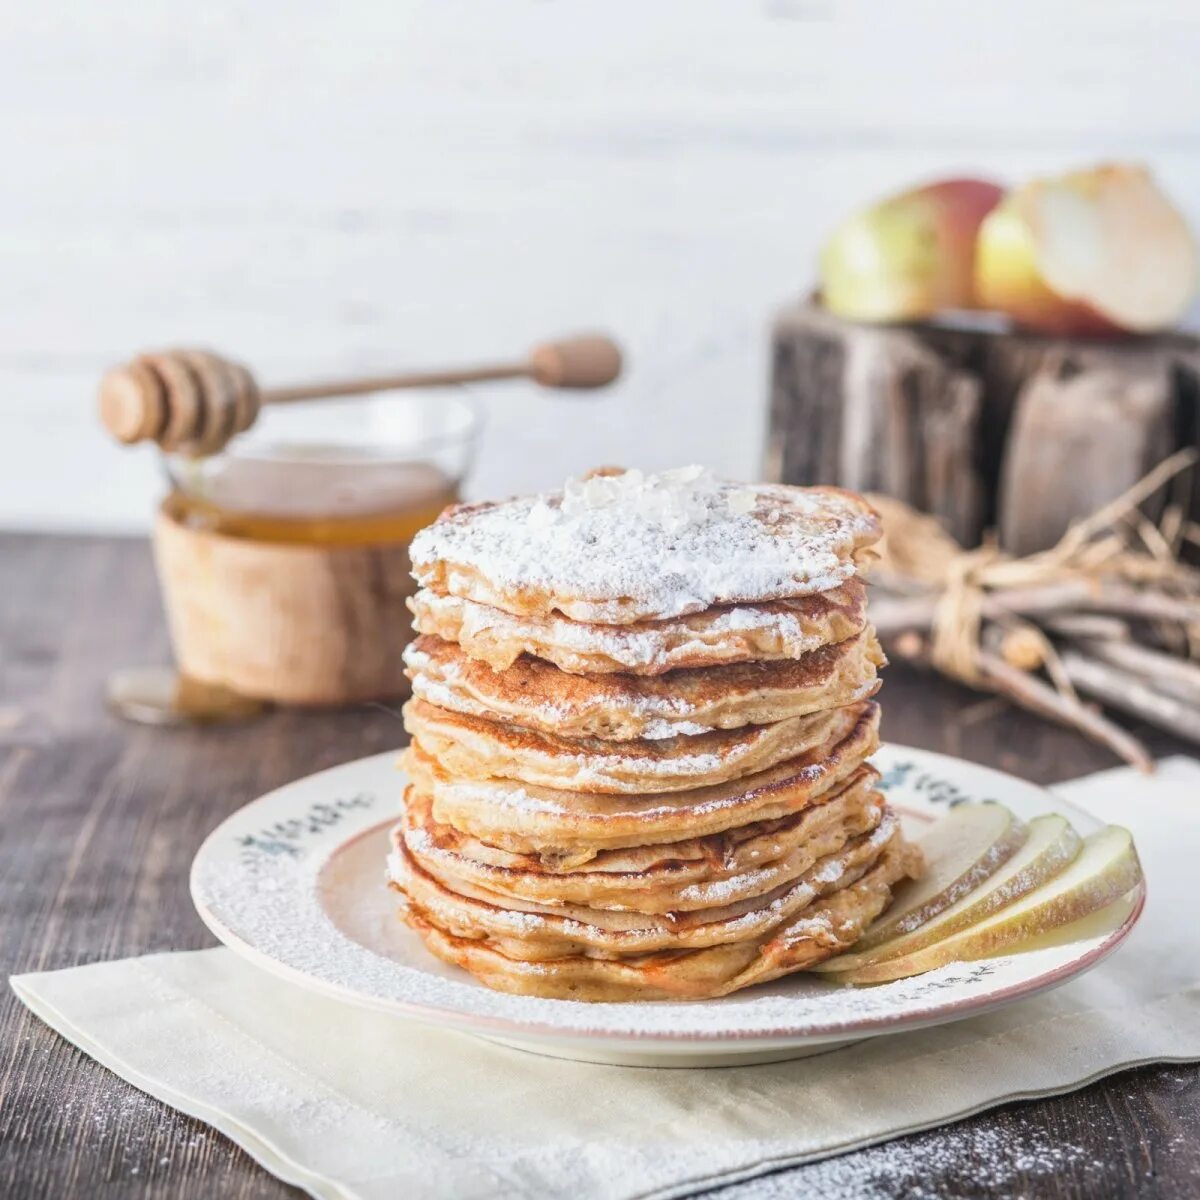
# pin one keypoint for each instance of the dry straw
(1111, 611)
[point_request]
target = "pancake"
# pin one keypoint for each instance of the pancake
(572, 827)
(640, 721)
(533, 931)
(826, 927)
(779, 629)
(474, 748)
(674, 877)
(538, 696)
(630, 547)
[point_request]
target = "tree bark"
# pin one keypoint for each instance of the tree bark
(982, 427)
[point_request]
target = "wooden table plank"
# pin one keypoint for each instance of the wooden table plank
(100, 820)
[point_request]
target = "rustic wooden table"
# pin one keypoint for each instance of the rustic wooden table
(99, 821)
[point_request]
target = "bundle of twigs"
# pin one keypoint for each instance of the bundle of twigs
(1111, 613)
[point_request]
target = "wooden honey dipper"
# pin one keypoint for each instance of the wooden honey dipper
(194, 401)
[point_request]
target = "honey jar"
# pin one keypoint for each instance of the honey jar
(284, 558)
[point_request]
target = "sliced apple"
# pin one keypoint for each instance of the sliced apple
(961, 850)
(1105, 870)
(1051, 846)
(908, 256)
(1090, 252)
(1096, 924)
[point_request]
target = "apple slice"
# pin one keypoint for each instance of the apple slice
(1096, 924)
(961, 850)
(1105, 869)
(908, 256)
(1089, 252)
(1051, 846)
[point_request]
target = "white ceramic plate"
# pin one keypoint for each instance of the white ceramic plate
(295, 882)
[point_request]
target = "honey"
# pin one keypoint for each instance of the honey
(324, 497)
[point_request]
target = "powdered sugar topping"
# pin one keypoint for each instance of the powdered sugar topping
(672, 500)
(627, 546)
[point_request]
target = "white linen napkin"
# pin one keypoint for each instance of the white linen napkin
(358, 1105)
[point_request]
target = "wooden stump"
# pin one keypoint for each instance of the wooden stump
(980, 427)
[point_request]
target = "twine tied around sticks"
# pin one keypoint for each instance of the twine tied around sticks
(1116, 543)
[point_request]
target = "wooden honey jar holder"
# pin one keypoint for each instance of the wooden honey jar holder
(300, 625)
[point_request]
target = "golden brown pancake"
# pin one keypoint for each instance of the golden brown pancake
(829, 925)
(778, 629)
(536, 695)
(674, 877)
(522, 929)
(474, 748)
(571, 826)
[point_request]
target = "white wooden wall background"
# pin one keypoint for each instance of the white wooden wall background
(320, 186)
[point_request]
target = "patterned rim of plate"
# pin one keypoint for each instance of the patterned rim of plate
(258, 882)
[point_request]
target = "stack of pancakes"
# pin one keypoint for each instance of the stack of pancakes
(640, 722)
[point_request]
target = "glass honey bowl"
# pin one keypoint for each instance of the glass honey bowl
(283, 559)
(352, 472)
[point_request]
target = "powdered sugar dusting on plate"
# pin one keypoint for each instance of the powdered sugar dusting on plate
(629, 546)
(281, 913)
(276, 879)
